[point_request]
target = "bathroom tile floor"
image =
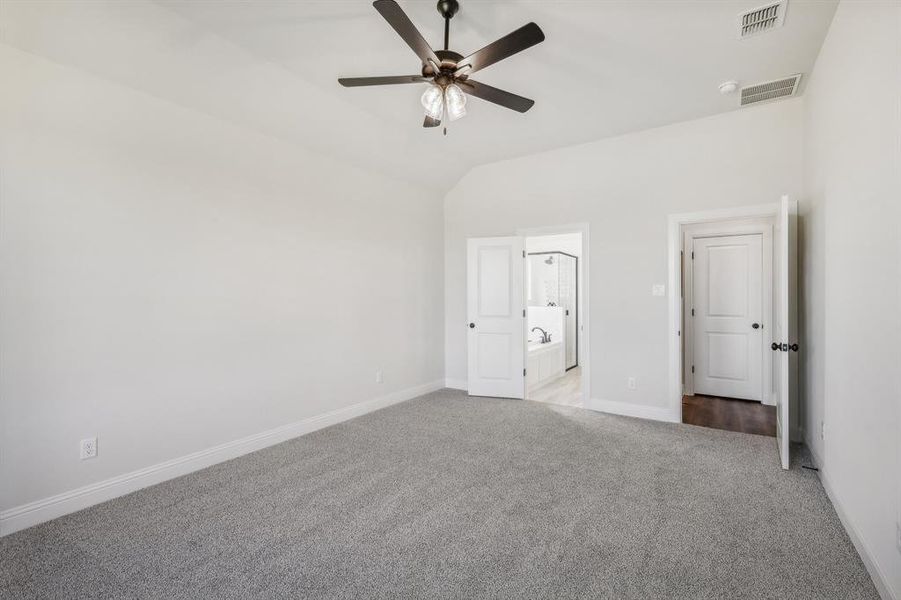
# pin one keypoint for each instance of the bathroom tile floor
(565, 391)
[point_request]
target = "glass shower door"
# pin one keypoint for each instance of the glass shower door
(568, 299)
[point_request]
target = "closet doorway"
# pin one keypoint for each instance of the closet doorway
(728, 318)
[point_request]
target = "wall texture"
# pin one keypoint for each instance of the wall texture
(852, 134)
(171, 282)
(624, 188)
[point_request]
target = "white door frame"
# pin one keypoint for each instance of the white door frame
(763, 227)
(585, 305)
(675, 223)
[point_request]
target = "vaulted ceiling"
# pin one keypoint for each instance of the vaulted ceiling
(606, 68)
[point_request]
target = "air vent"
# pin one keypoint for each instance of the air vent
(771, 90)
(763, 19)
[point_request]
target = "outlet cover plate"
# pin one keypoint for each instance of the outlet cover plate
(87, 448)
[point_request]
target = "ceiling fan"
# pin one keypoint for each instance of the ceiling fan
(448, 72)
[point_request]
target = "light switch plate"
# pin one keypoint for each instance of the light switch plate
(658, 290)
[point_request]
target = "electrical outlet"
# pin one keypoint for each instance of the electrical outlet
(88, 448)
(378, 376)
(632, 384)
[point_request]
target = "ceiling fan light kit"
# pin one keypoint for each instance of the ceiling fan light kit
(433, 101)
(454, 102)
(448, 72)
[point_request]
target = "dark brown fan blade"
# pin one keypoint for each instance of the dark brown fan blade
(430, 122)
(492, 94)
(524, 37)
(358, 81)
(404, 27)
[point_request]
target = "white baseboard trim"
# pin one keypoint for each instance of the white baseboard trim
(869, 561)
(39, 511)
(817, 459)
(456, 384)
(642, 411)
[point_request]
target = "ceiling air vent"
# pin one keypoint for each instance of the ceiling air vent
(770, 90)
(760, 20)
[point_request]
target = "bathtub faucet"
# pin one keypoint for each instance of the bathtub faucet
(545, 336)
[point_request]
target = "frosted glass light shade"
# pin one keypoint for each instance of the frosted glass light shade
(455, 100)
(433, 101)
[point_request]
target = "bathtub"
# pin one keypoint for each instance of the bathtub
(544, 363)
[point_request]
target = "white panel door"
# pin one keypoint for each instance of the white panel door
(495, 293)
(785, 333)
(727, 303)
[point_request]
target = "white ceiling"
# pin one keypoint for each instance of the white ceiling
(606, 68)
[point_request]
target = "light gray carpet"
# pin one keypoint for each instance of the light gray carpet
(448, 497)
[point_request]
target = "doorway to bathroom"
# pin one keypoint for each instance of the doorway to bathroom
(507, 357)
(553, 282)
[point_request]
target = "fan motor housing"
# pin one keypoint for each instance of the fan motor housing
(449, 60)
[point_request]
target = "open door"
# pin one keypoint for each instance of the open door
(785, 339)
(495, 299)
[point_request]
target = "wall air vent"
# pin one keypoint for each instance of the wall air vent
(770, 90)
(763, 19)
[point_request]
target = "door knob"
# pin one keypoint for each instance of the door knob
(755, 325)
(472, 325)
(794, 347)
(775, 346)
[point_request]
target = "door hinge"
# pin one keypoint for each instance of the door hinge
(523, 313)
(692, 368)
(692, 312)
(523, 253)
(523, 372)
(692, 255)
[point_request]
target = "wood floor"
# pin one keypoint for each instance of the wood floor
(744, 416)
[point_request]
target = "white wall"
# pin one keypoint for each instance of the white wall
(624, 188)
(852, 133)
(171, 281)
(570, 243)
